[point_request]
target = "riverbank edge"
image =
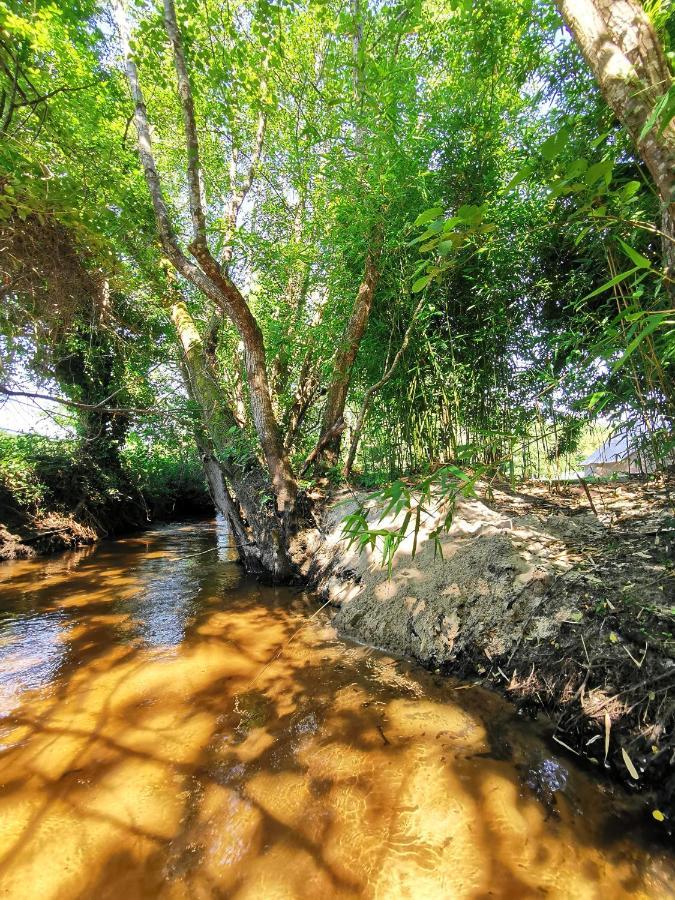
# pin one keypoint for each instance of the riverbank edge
(24, 536)
(586, 674)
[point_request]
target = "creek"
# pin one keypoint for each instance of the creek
(170, 728)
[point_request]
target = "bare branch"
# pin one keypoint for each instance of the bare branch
(64, 89)
(93, 407)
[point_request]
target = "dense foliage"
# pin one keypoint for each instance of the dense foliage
(380, 236)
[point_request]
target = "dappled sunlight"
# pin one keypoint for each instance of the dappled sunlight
(243, 750)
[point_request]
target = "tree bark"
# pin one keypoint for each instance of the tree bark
(305, 394)
(261, 534)
(336, 396)
(374, 388)
(207, 274)
(626, 56)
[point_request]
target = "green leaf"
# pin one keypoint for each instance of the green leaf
(629, 190)
(656, 322)
(578, 167)
(582, 234)
(471, 214)
(554, 145)
(420, 284)
(664, 110)
(429, 233)
(640, 261)
(599, 170)
(609, 284)
(429, 215)
(518, 178)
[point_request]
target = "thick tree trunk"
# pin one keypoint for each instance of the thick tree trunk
(336, 396)
(261, 532)
(208, 276)
(622, 49)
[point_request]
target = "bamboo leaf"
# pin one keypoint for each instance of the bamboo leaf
(655, 323)
(611, 283)
(629, 765)
(518, 178)
(429, 215)
(640, 261)
(420, 284)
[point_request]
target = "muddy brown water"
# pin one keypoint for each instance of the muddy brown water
(149, 748)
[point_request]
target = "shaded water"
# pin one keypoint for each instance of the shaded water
(147, 750)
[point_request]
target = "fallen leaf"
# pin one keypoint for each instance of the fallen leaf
(629, 765)
(658, 815)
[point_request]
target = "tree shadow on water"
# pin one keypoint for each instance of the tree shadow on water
(225, 767)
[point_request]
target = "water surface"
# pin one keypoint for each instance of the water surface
(170, 728)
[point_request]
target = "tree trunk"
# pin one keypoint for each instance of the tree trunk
(626, 56)
(270, 528)
(261, 532)
(336, 396)
(374, 388)
(208, 276)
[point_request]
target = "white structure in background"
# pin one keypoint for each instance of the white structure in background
(619, 453)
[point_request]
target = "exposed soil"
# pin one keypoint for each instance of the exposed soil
(40, 535)
(566, 609)
(23, 535)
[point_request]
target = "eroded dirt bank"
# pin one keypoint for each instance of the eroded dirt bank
(40, 535)
(24, 535)
(567, 611)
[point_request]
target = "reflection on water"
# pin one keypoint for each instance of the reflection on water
(31, 651)
(167, 603)
(153, 743)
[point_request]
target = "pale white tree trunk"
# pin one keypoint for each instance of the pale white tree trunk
(626, 56)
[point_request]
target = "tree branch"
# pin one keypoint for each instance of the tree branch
(93, 407)
(329, 436)
(238, 196)
(194, 174)
(64, 89)
(208, 276)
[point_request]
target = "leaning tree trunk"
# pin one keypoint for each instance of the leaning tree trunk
(211, 277)
(626, 56)
(328, 446)
(260, 533)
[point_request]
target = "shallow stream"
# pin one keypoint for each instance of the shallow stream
(170, 728)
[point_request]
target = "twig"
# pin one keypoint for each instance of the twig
(588, 495)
